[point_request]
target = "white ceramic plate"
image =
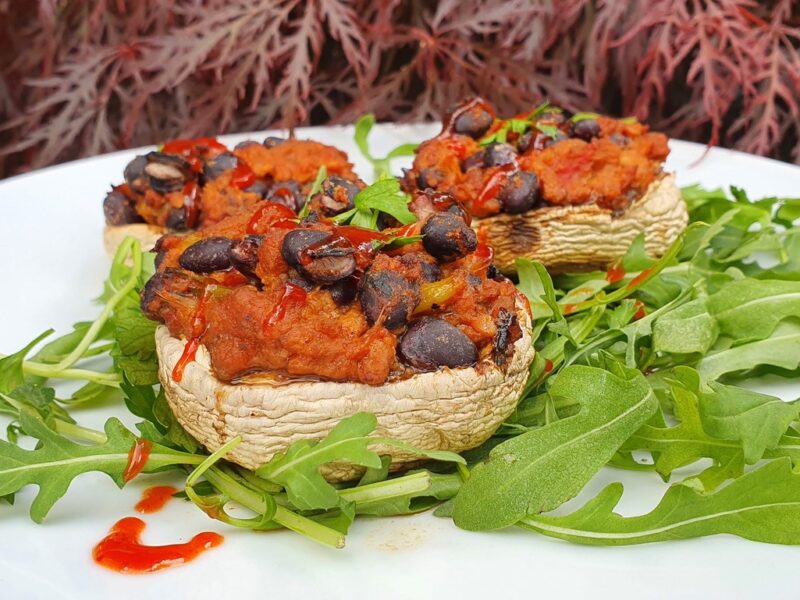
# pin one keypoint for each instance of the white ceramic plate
(52, 264)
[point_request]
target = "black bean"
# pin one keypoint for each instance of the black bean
(338, 195)
(178, 219)
(520, 192)
(134, 174)
(428, 267)
(288, 193)
(246, 144)
(431, 343)
(619, 139)
(473, 121)
(259, 187)
(473, 161)
(447, 237)
(343, 291)
(525, 141)
(272, 141)
(458, 209)
(119, 210)
(389, 296)
(297, 241)
(493, 273)
(328, 261)
(505, 321)
(219, 164)
(208, 255)
(429, 178)
(243, 255)
(301, 283)
(497, 155)
(150, 293)
(166, 172)
(585, 130)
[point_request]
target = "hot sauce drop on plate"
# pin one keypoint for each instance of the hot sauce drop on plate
(122, 550)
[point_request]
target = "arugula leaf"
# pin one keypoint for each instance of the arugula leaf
(781, 349)
(160, 425)
(57, 461)
(538, 470)
(414, 492)
(757, 421)
(297, 469)
(687, 329)
(750, 309)
(763, 506)
(11, 371)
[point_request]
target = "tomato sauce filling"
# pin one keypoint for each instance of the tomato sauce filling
(294, 321)
(611, 169)
(199, 182)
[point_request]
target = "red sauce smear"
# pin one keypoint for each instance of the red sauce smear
(191, 204)
(137, 458)
(484, 254)
(548, 365)
(154, 498)
(271, 214)
(615, 273)
(191, 150)
(198, 329)
(640, 312)
(122, 550)
(492, 187)
(292, 295)
(358, 236)
(639, 278)
(569, 309)
(242, 176)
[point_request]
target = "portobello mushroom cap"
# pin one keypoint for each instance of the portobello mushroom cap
(587, 237)
(147, 235)
(448, 409)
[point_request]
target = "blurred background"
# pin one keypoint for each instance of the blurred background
(82, 77)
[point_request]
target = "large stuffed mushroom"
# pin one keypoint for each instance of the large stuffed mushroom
(190, 184)
(275, 330)
(570, 192)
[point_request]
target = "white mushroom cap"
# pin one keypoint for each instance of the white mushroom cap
(449, 409)
(585, 237)
(146, 234)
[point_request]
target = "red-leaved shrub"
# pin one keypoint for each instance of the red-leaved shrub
(89, 76)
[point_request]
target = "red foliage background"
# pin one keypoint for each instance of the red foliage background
(80, 77)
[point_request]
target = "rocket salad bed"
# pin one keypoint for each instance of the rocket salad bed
(640, 361)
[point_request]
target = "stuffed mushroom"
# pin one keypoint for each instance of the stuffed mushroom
(570, 192)
(190, 184)
(274, 330)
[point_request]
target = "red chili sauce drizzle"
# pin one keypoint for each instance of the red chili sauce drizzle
(493, 186)
(198, 329)
(155, 498)
(190, 203)
(242, 176)
(292, 295)
(640, 311)
(484, 255)
(639, 278)
(137, 458)
(122, 550)
(569, 309)
(190, 150)
(548, 365)
(615, 273)
(271, 214)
